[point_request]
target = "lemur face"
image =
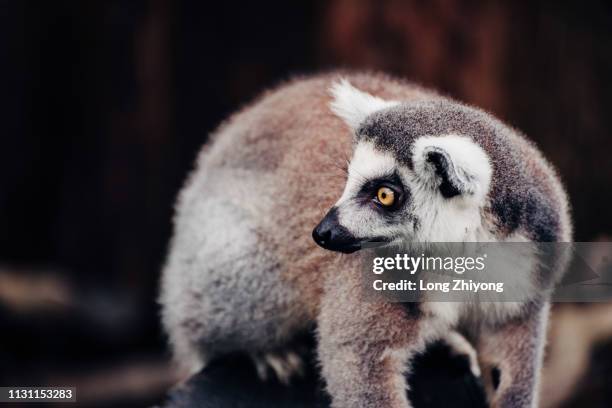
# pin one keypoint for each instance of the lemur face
(403, 185)
(375, 207)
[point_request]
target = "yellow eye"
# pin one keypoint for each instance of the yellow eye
(385, 196)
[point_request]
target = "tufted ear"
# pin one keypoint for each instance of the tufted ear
(452, 164)
(353, 105)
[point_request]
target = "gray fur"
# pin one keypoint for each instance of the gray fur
(210, 259)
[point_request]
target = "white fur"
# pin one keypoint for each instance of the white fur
(367, 163)
(219, 278)
(353, 105)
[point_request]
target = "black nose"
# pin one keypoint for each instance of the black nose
(329, 234)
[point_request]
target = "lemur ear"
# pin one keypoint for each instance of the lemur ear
(353, 105)
(452, 164)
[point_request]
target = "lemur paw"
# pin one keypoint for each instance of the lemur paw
(285, 364)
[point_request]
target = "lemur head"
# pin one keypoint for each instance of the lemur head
(417, 172)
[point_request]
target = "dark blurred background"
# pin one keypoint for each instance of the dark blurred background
(104, 105)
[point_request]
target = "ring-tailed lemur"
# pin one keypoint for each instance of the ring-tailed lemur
(243, 273)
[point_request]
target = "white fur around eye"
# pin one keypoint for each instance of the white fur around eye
(367, 163)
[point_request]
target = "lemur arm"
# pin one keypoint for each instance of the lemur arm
(365, 347)
(511, 357)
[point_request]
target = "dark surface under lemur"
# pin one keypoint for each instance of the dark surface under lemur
(440, 379)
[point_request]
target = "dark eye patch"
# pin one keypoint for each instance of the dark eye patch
(370, 188)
